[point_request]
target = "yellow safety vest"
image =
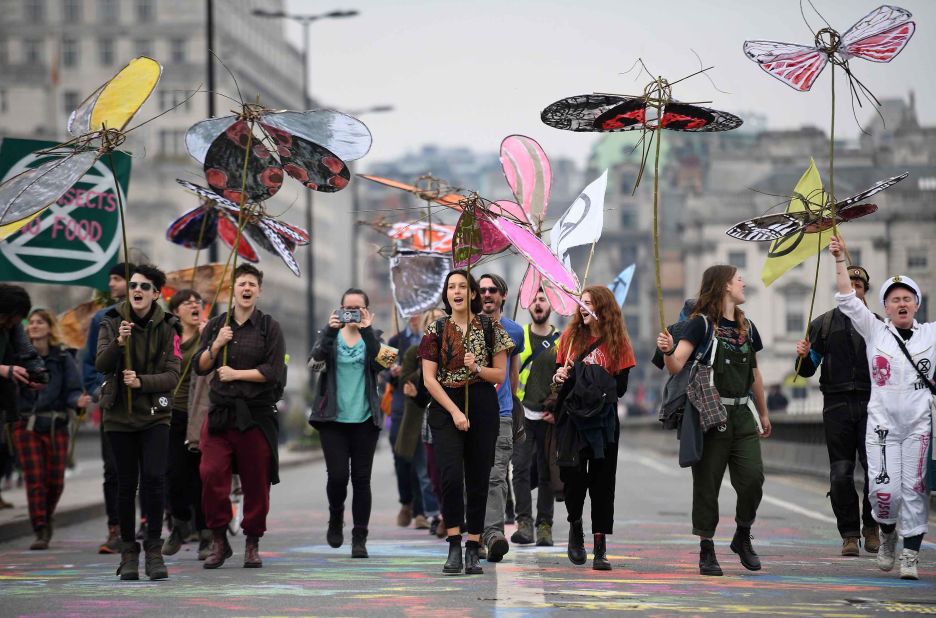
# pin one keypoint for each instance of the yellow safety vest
(526, 353)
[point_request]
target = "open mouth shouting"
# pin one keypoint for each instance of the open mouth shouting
(458, 300)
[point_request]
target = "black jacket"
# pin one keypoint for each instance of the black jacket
(15, 349)
(324, 359)
(838, 347)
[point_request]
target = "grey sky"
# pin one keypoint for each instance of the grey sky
(472, 72)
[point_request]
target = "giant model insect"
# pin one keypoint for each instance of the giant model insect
(814, 218)
(654, 110)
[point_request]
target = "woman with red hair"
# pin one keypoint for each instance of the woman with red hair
(594, 350)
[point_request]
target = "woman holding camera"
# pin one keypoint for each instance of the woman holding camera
(466, 348)
(346, 413)
(137, 422)
(41, 433)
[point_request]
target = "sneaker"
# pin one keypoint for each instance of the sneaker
(405, 516)
(741, 545)
(887, 551)
(112, 544)
(544, 536)
(524, 533)
(497, 546)
(908, 564)
(420, 522)
(850, 546)
(872, 541)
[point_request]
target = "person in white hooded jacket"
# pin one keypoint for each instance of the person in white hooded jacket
(899, 427)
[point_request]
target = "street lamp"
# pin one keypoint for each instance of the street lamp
(304, 21)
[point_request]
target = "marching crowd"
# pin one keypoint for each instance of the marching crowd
(481, 411)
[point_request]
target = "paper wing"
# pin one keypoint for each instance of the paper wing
(313, 165)
(224, 166)
(266, 237)
(685, 117)
(115, 103)
(770, 227)
(879, 36)
(581, 113)
(347, 137)
(844, 215)
(195, 229)
(528, 173)
(207, 280)
(73, 324)
(797, 66)
(416, 279)
(875, 188)
(199, 136)
(227, 231)
(468, 241)
(292, 233)
(452, 200)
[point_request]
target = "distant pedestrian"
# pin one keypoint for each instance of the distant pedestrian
(902, 354)
(469, 348)
(777, 402)
(138, 428)
(593, 355)
(718, 324)
(346, 413)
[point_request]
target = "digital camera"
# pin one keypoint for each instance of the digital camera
(346, 316)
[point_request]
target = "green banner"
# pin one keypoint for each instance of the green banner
(74, 241)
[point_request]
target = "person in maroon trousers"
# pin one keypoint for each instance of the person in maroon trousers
(242, 427)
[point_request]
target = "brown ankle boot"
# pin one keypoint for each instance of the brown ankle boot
(111, 545)
(153, 563)
(43, 534)
(220, 549)
(129, 568)
(252, 553)
(872, 540)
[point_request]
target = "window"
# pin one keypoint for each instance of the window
(32, 51)
(70, 101)
(69, 52)
(172, 143)
(106, 52)
(855, 256)
(628, 220)
(794, 321)
(4, 103)
(144, 47)
(177, 51)
(738, 259)
(169, 99)
(917, 258)
(72, 11)
(34, 10)
(144, 10)
(108, 11)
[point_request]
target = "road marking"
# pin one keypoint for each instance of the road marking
(518, 586)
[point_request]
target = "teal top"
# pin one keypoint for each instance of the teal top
(352, 402)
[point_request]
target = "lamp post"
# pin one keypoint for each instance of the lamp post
(305, 21)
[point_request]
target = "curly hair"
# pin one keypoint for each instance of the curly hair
(611, 325)
(711, 296)
(156, 276)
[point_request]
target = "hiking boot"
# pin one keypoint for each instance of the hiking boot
(335, 534)
(576, 548)
(176, 538)
(850, 546)
(887, 551)
(434, 525)
(252, 553)
(524, 533)
(154, 565)
(358, 542)
(129, 568)
(220, 549)
(600, 561)
(908, 564)
(453, 564)
(872, 542)
(544, 535)
(204, 544)
(708, 563)
(112, 544)
(472, 561)
(497, 546)
(741, 545)
(420, 522)
(405, 516)
(42, 538)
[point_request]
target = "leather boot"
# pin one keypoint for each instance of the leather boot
(129, 568)
(220, 549)
(600, 562)
(112, 544)
(252, 553)
(42, 538)
(204, 544)
(453, 565)
(708, 563)
(176, 538)
(154, 565)
(872, 541)
(335, 533)
(576, 548)
(472, 561)
(741, 545)
(358, 542)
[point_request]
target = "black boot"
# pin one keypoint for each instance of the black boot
(335, 534)
(708, 563)
(472, 561)
(129, 568)
(454, 565)
(600, 562)
(576, 548)
(741, 545)
(154, 564)
(358, 540)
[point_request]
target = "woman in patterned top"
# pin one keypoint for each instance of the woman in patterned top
(464, 348)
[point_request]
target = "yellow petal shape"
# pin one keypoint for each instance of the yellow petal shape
(12, 228)
(125, 94)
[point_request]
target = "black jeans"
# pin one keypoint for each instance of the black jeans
(596, 477)
(529, 452)
(185, 487)
(110, 480)
(465, 457)
(845, 417)
(349, 446)
(141, 458)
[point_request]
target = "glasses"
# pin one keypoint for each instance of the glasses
(191, 301)
(490, 290)
(146, 286)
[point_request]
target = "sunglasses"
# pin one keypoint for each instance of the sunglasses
(146, 286)
(490, 290)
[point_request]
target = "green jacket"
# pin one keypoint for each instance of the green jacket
(156, 359)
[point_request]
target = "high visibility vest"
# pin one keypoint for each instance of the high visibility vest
(526, 353)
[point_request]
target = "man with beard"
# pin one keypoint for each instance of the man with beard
(537, 365)
(493, 297)
(242, 427)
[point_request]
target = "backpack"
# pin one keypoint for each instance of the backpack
(278, 388)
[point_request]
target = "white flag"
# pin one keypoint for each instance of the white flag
(581, 224)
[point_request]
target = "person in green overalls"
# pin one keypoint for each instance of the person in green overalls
(735, 444)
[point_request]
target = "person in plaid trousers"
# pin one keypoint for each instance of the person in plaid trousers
(41, 433)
